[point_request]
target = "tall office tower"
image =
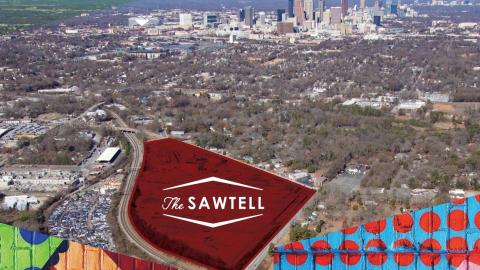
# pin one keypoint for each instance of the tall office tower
(344, 8)
(262, 18)
(327, 17)
(241, 15)
(299, 12)
(249, 16)
(363, 4)
(388, 6)
(321, 5)
(321, 10)
(290, 9)
(309, 9)
(394, 9)
(280, 13)
(186, 20)
(335, 15)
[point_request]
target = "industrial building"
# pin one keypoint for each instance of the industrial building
(109, 155)
(21, 202)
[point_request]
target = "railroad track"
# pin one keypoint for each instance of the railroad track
(123, 219)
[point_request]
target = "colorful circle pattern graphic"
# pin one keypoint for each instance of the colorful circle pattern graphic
(446, 237)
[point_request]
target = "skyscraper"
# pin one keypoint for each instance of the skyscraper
(335, 15)
(241, 15)
(362, 4)
(299, 12)
(344, 7)
(249, 16)
(186, 20)
(377, 20)
(309, 9)
(262, 18)
(321, 10)
(290, 9)
(280, 13)
(388, 6)
(394, 9)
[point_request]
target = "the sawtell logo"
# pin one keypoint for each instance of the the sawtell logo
(234, 203)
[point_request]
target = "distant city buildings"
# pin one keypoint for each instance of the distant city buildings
(304, 19)
(143, 21)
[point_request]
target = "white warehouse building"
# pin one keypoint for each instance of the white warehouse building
(109, 155)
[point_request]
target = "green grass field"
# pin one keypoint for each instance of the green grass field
(18, 14)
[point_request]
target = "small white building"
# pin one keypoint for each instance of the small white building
(456, 194)
(20, 203)
(423, 192)
(177, 133)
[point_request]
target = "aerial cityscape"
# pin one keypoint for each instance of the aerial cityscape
(228, 134)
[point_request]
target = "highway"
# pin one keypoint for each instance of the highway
(123, 219)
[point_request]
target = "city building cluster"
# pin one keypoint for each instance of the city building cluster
(300, 17)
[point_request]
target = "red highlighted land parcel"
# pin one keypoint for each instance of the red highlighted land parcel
(207, 208)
